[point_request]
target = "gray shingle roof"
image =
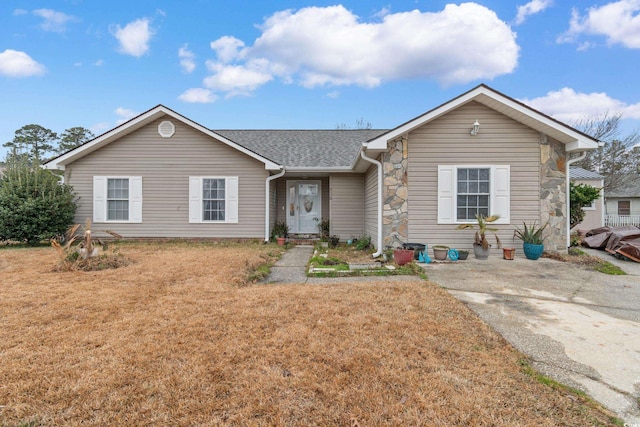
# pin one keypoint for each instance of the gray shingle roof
(630, 187)
(579, 173)
(304, 148)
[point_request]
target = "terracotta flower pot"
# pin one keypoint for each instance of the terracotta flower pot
(281, 241)
(508, 253)
(402, 256)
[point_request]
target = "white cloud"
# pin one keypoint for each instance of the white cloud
(531, 8)
(134, 37)
(198, 95)
(618, 21)
(19, 12)
(227, 48)
(99, 63)
(570, 106)
(236, 79)
(14, 63)
(124, 114)
(330, 46)
(186, 59)
(333, 94)
(54, 21)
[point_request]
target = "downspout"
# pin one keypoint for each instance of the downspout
(380, 183)
(569, 163)
(266, 202)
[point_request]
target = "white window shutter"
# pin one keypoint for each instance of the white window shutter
(500, 193)
(446, 194)
(135, 199)
(195, 199)
(231, 190)
(99, 198)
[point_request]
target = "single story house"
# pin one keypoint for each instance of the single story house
(594, 214)
(622, 204)
(162, 175)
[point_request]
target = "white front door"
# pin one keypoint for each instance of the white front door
(303, 206)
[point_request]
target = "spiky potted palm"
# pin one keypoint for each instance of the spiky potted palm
(532, 239)
(481, 246)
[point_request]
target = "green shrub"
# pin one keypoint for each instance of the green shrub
(363, 243)
(34, 205)
(280, 229)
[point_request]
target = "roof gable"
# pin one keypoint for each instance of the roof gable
(573, 139)
(140, 121)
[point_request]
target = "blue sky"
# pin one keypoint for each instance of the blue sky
(309, 64)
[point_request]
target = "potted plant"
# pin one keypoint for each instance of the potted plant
(508, 253)
(403, 256)
(280, 232)
(481, 246)
(440, 252)
(462, 254)
(532, 240)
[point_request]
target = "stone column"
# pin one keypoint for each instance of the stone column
(395, 217)
(553, 193)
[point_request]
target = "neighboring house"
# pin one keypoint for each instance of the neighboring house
(594, 214)
(623, 203)
(163, 175)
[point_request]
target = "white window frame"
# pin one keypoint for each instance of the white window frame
(100, 201)
(591, 207)
(196, 197)
(499, 198)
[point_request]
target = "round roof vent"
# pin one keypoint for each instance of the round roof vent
(166, 129)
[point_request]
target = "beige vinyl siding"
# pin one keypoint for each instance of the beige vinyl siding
(347, 205)
(446, 141)
(165, 165)
(371, 203)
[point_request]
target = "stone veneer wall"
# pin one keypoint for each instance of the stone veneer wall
(553, 193)
(395, 217)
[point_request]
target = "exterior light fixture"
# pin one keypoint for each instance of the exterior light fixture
(476, 128)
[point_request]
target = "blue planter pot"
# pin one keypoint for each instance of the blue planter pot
(532, 251)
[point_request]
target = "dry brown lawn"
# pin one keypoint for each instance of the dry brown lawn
(173, 339)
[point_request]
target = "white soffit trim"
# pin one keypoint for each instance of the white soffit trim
(138, 122)
(573, 139)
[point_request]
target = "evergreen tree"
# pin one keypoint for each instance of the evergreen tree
(33, 140)
(73, 137)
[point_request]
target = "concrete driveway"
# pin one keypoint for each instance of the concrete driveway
(579, 327)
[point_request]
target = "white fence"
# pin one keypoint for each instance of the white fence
(620, 220)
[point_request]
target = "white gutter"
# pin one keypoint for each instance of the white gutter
(569, 163)
(380, 182)
(266, 202)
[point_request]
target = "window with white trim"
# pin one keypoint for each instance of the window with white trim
(213, 199)
(467, 190)
(117, 199)
(473, 193)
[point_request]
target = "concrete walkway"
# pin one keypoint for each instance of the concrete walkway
(292, 267)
